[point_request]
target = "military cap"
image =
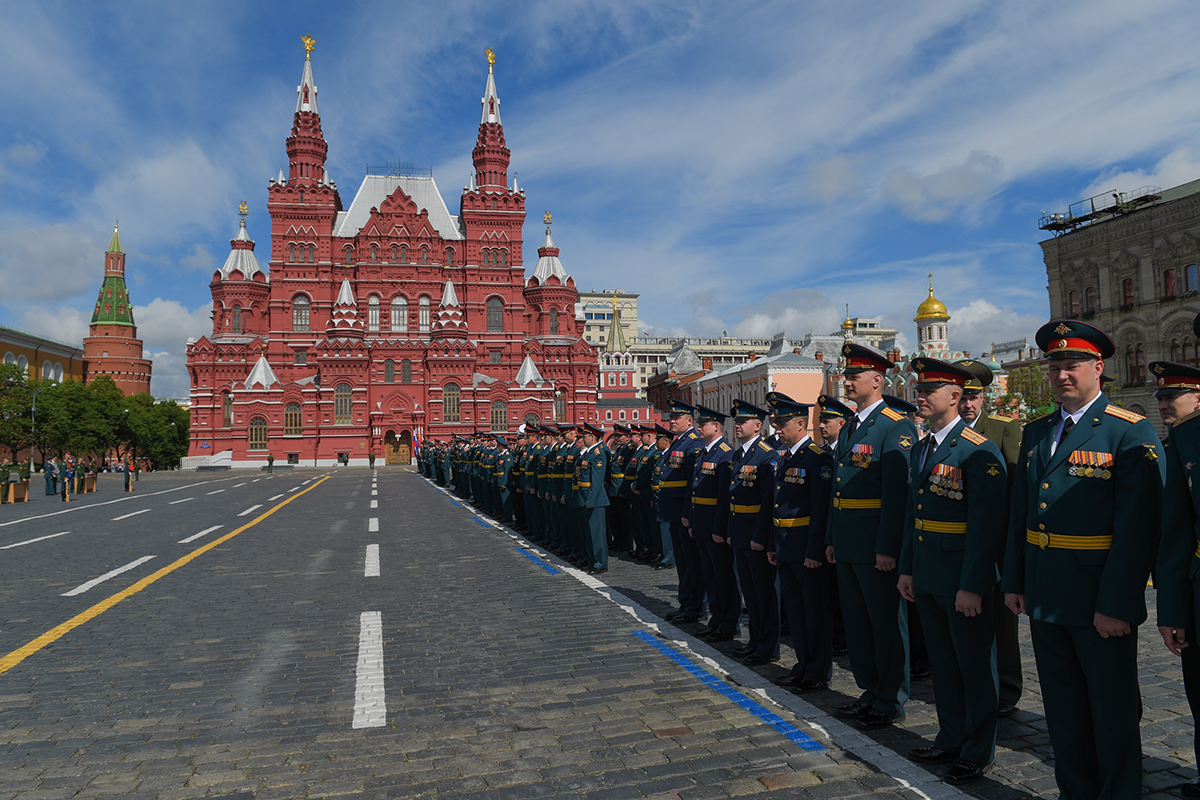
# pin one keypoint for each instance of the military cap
(981, 373)
(1171, 378)
(743, 410)
(1070, 338)
(647, 428)
(933, 372)
(1106, 379)
(502, 440)
(678, 408)
(660, 431)
(831, 408)
(784, 408)
(859, 358)
(896, 404)
(705, 414)
(769, 397)
(621, 428)
(596, 431)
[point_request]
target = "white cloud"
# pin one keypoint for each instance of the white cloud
(980, 324)
(164, 327)
(49, 262)
(935, 197)
(58, 322)
(1179, 166)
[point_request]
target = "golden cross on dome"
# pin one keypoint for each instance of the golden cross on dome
(309, 44)
(243, 209)
(491, 57)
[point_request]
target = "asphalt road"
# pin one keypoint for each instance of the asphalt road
(320, 633)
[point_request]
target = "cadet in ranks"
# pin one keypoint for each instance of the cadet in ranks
(570, 517)
(706, 516)
(1176, 573)
(517, 479)
(1087, 504)
(662, 443)
(799, 503)
(553, 486)
(677, 467)
(866, 525)
(831, 416)
(533, 504)
(638, 549)
(636, 487)
(1006, 434)
(503, 466)
(617, 515)
(747, 524)
(953, 529)
(544, 465)
(591, 499)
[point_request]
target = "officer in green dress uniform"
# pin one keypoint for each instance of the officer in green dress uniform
(1087, 507)
(1006, 434)
(866, 525)
(1177, 573)
(831, 417)
(591, 499)
(953, 528)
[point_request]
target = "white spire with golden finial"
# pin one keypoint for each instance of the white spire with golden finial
(491, 101)
(306, 92)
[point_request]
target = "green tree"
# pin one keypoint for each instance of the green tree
(16, 395)
(1029, 395)
(81, 419)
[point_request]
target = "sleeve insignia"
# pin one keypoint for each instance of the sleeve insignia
(816, 448)
(724, 447)
(1121, 413)
(906, 442)
(826, 473)
(993, 470)
(892, 414)
(973, 436)
(1151, 453)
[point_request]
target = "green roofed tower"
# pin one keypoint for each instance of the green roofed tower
(112, 347)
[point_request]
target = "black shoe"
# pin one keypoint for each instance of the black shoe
(756, 660)
(685, 620)
(840, 650)
(1190, 789)
(804, 687)
(873, 720)
(597, 570)
(661, 565)
(932, 755)
(789, 680)
(853, 710)
(743, 650)
(965, 771)
(713, 635)
(919, 673)
(1006, 710)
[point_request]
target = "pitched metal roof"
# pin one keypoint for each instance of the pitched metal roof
(262, 375)
(240, 258)
(377, 188)
(549, 264)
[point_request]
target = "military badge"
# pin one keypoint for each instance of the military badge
(906, 442)
(993, 470)
(826, 474)
(861, 454)
(1062, 329)
(1089, 464)
(1151, 453)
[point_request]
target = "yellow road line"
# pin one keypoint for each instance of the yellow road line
(54, 634)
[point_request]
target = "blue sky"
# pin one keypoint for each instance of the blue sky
(749, 167)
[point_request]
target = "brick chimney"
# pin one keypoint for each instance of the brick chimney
(708, 364)
(754, 356)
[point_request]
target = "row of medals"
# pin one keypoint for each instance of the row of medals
(1089, 472)
(946, 487)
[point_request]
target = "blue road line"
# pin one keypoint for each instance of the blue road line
(481, 522)
(794, 735)
(456, 504)
(537, 561)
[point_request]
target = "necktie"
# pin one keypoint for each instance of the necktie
(851, 426)
(1068, 424)
(930, 446)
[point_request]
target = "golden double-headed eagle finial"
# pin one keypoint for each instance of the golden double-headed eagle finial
(546, 218)
(491, 57)
(243, 209)
(309, 44)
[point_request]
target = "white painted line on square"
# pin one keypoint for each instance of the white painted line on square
(132, 514)
(238, 485)
(83, 587)
(249, 510)
(273, 499)
(218, 491)
(371, 570)
(374, 504)
(374, 493)
(204, 532)
(177, 502)
(293, 489)
(370, 705)
(31, 541)
(373, 524)
(256, 480)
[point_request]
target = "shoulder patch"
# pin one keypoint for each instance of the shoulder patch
(892, 414)
(999, 418)
(1182, 420)
(816, 448)
(764, 446)
(1121, 413)
(973, 436)
(724, 447)
(692, 435)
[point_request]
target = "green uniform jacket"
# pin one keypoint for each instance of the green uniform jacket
(955, 520)
(1177, 565)
(1069, 585)
(591, 468)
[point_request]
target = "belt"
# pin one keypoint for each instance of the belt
(527, 472)
(587, 485)
(792, 522)
(745, 509)
(543, 476)
(933, 526)
(849, 504)
(673, 484)
(1057, 541)
(703, 501)
(499, 474)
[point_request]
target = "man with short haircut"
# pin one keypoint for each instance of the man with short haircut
(654, 463)
(591, 499)
(953, 528)
(1087, 503)
(706, 513)
(677, 467)
(831, 416)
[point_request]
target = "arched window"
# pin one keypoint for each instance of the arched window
(495, 315)
(1075, 306)
(499, 416)
(258, 434)
(47, 370)
(1176, 353)
(58, 371)
(374, 254)
(399, 315)
(612, 379)
(608, 415)
(291, 420)
(1139, 364)
(236, 325)
(403, 253)
(560, 406)
(291, 252)
(504, 258)
(532, 419)
(451, 403)
(406, 371)
(487, 257)
(300, 306)
(10, 357)
(226, 410)
(1092, 300)
(621, 414)
(1191, 274)
(449, 256)
(373, 313)
(389, 371)
(424, 254)
(423, 314)
(1189, 350)
(1127, 292)
(624, 379)
(395, 253)
(554, 320)
(341, 404)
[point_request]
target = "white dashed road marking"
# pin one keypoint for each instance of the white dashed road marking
(31, 541)
(83, 587)
(373, 524)
(372, 565)
(177, 502)
(218, 491)
(374, 504)
(249, 510)
(370, 707)
(273, 499)
(204, 532)
(127, 516)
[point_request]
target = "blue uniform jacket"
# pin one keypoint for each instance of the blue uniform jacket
(1178, 559)
(676, 468)
(750, 483)
(800, 503)
(710, 488)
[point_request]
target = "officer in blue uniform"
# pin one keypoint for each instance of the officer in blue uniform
(866, 525)
(674, 488)
(748, 522)
(957, 494)
(591, 499)
(1177, 574)
(706, 516)
(1087, 504)
(655, 464)
(799, 503)
(831, 417)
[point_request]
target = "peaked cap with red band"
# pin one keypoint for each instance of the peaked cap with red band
(933, 372)
(1171, 377)
(859, 358)
(1070, 338)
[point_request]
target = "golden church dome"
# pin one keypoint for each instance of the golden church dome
(932, 308)
(847, 325)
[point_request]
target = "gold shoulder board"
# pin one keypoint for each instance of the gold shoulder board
(892, 413)
(816, 448)
(763, 445)
(999, 418)
(691, 434)
(973, 436)
(725, 448)
(1181, 420)
(1121, 413)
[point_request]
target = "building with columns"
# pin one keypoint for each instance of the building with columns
(387, 321)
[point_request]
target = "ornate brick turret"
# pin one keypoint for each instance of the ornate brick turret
(112, 348)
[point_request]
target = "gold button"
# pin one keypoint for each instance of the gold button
(839, 480)
(920, 538)
(1042, 527)
(839, 494)
(918, 506)
(1045, 486)
(777, 505)
(1042, 505)
(920, 491)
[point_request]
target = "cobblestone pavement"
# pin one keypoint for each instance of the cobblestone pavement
(385, 641)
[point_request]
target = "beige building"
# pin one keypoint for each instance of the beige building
(598, 311)
(1128, 264)
(44, 359)
(659, 353)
